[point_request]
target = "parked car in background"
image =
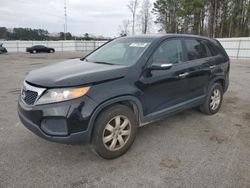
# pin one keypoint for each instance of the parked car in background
(104, 97)
(39, 49)
(2, 49)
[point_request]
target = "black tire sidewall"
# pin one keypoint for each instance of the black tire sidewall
(100, 124)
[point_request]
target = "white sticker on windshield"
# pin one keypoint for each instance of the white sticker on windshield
(138, 45)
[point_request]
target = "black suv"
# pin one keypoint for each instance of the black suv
(104, 97)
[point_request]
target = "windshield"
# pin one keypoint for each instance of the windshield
(122, 51)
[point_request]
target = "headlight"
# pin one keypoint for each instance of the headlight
(62, 94)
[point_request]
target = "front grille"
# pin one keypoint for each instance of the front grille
(31, 93)
(29, 97)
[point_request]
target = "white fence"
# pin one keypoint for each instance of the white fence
(237, 48)
(69, 45)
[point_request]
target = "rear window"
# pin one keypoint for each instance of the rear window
(196, 49)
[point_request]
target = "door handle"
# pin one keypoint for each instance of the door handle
(183, 74)
(212, 66)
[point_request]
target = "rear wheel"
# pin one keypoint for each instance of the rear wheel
(214, 100)
(114, 131)
(34, 51)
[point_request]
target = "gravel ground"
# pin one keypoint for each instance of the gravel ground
(186, 150)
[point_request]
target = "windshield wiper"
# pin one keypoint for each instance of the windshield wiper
(101, 62)
(84, 59)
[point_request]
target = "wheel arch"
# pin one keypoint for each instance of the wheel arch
(132, 102)
(219, 79)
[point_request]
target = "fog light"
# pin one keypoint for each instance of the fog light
(55, 126)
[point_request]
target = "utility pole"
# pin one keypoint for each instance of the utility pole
(65, 20)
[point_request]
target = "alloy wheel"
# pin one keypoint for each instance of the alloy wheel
(116, 133)
(215, 99)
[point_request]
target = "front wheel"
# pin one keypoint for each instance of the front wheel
(213, 100)
(114, 131)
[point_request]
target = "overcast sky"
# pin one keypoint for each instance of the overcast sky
(98, 17)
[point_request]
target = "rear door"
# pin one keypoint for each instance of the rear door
(44, 49)
(219, 62)
(199, 62)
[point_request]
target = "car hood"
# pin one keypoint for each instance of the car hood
(75, 73)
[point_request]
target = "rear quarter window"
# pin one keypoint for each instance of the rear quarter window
(214, 50)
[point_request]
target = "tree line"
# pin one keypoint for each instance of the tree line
(40, 34)
(22, 34)
(213, 18)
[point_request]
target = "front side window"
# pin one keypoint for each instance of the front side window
(195, 49)
(169, 51)
(122, 51)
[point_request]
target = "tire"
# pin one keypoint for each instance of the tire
(110, 125)
(213, 100)
(51, 51)
(34, 51)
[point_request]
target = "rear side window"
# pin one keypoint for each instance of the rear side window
(196, 49)
(38, 46)
(170, 51)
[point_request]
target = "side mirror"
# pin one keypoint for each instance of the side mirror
(161, 66)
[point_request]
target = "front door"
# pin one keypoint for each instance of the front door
(163, 89)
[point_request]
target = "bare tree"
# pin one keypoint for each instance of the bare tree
(124, 28)
(132, 6)
(145, 16)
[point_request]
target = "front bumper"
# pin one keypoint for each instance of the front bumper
(64, 122)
